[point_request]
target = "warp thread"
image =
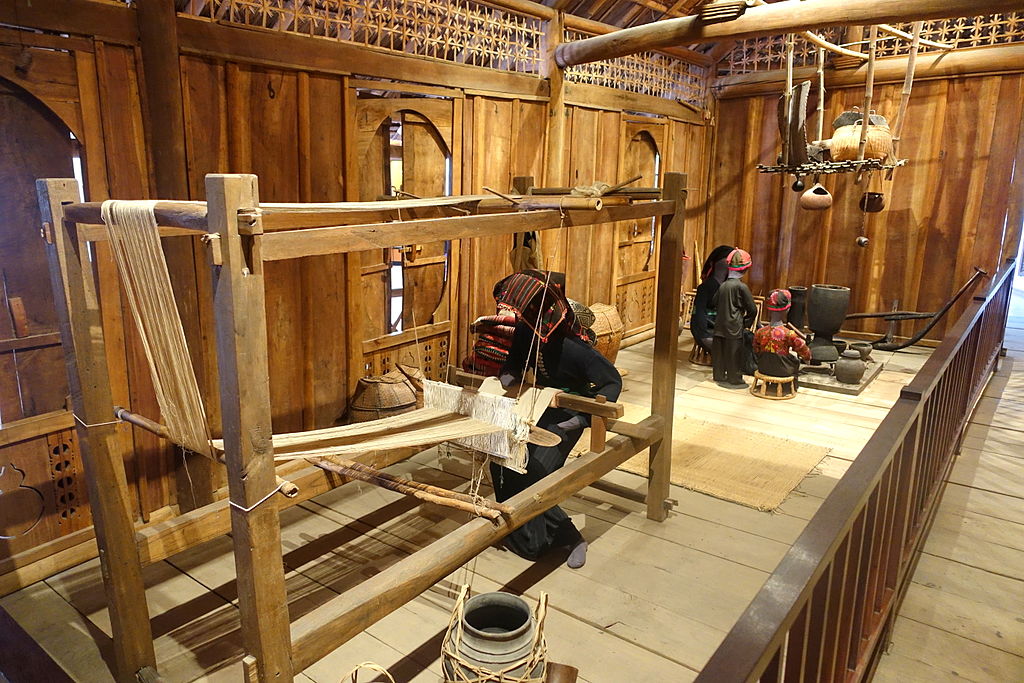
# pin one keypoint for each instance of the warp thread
(135, 241)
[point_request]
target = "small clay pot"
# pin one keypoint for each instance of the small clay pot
(816, 199)
(841, 346)
(850, 368)
(864, 349)
(872, 202)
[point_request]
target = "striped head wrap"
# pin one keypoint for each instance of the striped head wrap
(519, 290)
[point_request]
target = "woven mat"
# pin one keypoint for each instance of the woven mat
(745, 467)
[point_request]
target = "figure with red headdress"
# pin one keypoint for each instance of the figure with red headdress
(775, 343)
(735, 311)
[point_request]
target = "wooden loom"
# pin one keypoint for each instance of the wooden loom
(242, 235)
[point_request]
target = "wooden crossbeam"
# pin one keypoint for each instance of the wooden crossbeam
(782, 17)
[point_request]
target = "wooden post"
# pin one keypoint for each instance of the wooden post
(245, 406)
(103, 454)
(557, 111)
(666, 342)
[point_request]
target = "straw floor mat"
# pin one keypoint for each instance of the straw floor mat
(738, 465)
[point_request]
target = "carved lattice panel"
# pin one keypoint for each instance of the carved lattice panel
(460, 31)
(635, 302)
(769, 53)
(647, 73)
(431, 357)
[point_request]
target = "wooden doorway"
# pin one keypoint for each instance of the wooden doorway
(404, 144)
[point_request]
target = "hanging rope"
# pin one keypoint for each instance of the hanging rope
(135, 242)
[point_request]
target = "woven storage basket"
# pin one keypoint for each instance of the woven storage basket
(608, 327)
(383, 396)
(846, 143)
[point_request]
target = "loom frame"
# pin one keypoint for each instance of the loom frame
(242, 236)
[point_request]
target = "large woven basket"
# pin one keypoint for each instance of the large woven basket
(608, 328)
(383, 396)
(845, 143)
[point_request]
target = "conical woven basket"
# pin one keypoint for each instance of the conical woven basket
(608, 328)
(383, 396)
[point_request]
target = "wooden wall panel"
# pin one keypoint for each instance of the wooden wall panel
(945, 213)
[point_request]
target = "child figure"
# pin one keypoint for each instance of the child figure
(774, 343)
(735, 312)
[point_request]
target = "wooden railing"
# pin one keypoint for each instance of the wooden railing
(827, 610)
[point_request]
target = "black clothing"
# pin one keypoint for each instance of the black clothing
(702, 320)
(569, 363)
(778, 365)
(727, 359)
(735, 309)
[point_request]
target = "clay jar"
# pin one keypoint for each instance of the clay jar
(864, 349)
(497, 631)
(850, 368)
(872, 202)
(798, 306)
(826, 310)
(816, 199)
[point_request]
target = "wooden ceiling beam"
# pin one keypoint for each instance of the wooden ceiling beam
(774, 19)
(578, 23)
(979, 60)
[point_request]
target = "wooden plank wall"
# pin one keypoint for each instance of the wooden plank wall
(294, 127)
(946, 212)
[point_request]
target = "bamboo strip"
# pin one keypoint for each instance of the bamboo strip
(400, 486)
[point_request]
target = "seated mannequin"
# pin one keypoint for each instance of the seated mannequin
(702, 320)
(775, 343)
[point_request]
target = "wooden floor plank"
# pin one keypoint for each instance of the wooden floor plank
(956, 578)
(993, 626)
(925, 650)
(61, 630)
(990, 471)
(959, 497)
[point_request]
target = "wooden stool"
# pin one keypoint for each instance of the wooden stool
(698, 356)
(764, 382)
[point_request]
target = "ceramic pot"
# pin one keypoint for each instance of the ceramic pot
(864, 349)
(798, 306)
(850, 368)
(816, 199)
(497, 631)
(872, 202)
(826, 309)
(841, 346)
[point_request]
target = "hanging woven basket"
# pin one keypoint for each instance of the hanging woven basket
(845, 143)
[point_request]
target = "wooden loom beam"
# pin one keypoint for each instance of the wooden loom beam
(345, 239)
(77, 305)
(245, 407)
(317, 633)
(782, 17)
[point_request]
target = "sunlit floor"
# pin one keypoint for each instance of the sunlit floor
(652, 603)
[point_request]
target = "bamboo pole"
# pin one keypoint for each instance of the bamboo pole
(788, 97)
(424, 492)
(915, 35)
(908, 86)
(766, 20)
(821, 94)
(869, 94)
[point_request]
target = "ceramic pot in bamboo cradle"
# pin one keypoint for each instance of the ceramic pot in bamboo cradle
(845, 144)
(497, 631)
(383, 396)
(608, 328)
